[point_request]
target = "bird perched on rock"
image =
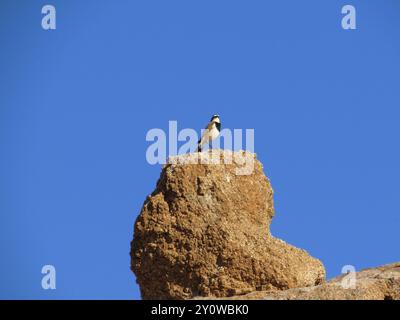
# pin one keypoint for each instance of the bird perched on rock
(211, 132)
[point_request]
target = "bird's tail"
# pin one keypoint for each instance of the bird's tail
(199, 146)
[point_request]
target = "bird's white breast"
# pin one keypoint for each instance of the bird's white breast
(214, 133)
(210, 135)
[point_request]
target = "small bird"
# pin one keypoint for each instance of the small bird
(211, 132)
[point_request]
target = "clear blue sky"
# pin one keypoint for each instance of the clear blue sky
(76, 103)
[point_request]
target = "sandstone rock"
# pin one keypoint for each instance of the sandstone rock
(204, 231)
(382, 283)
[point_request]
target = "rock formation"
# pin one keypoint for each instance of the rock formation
(204, 231)
(381, 283)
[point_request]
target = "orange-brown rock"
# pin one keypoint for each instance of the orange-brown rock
(204, 231)
(381, 283)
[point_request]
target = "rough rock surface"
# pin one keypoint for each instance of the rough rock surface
(204, 231)
(381, 283)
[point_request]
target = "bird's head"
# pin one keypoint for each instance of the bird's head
(215, 118)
